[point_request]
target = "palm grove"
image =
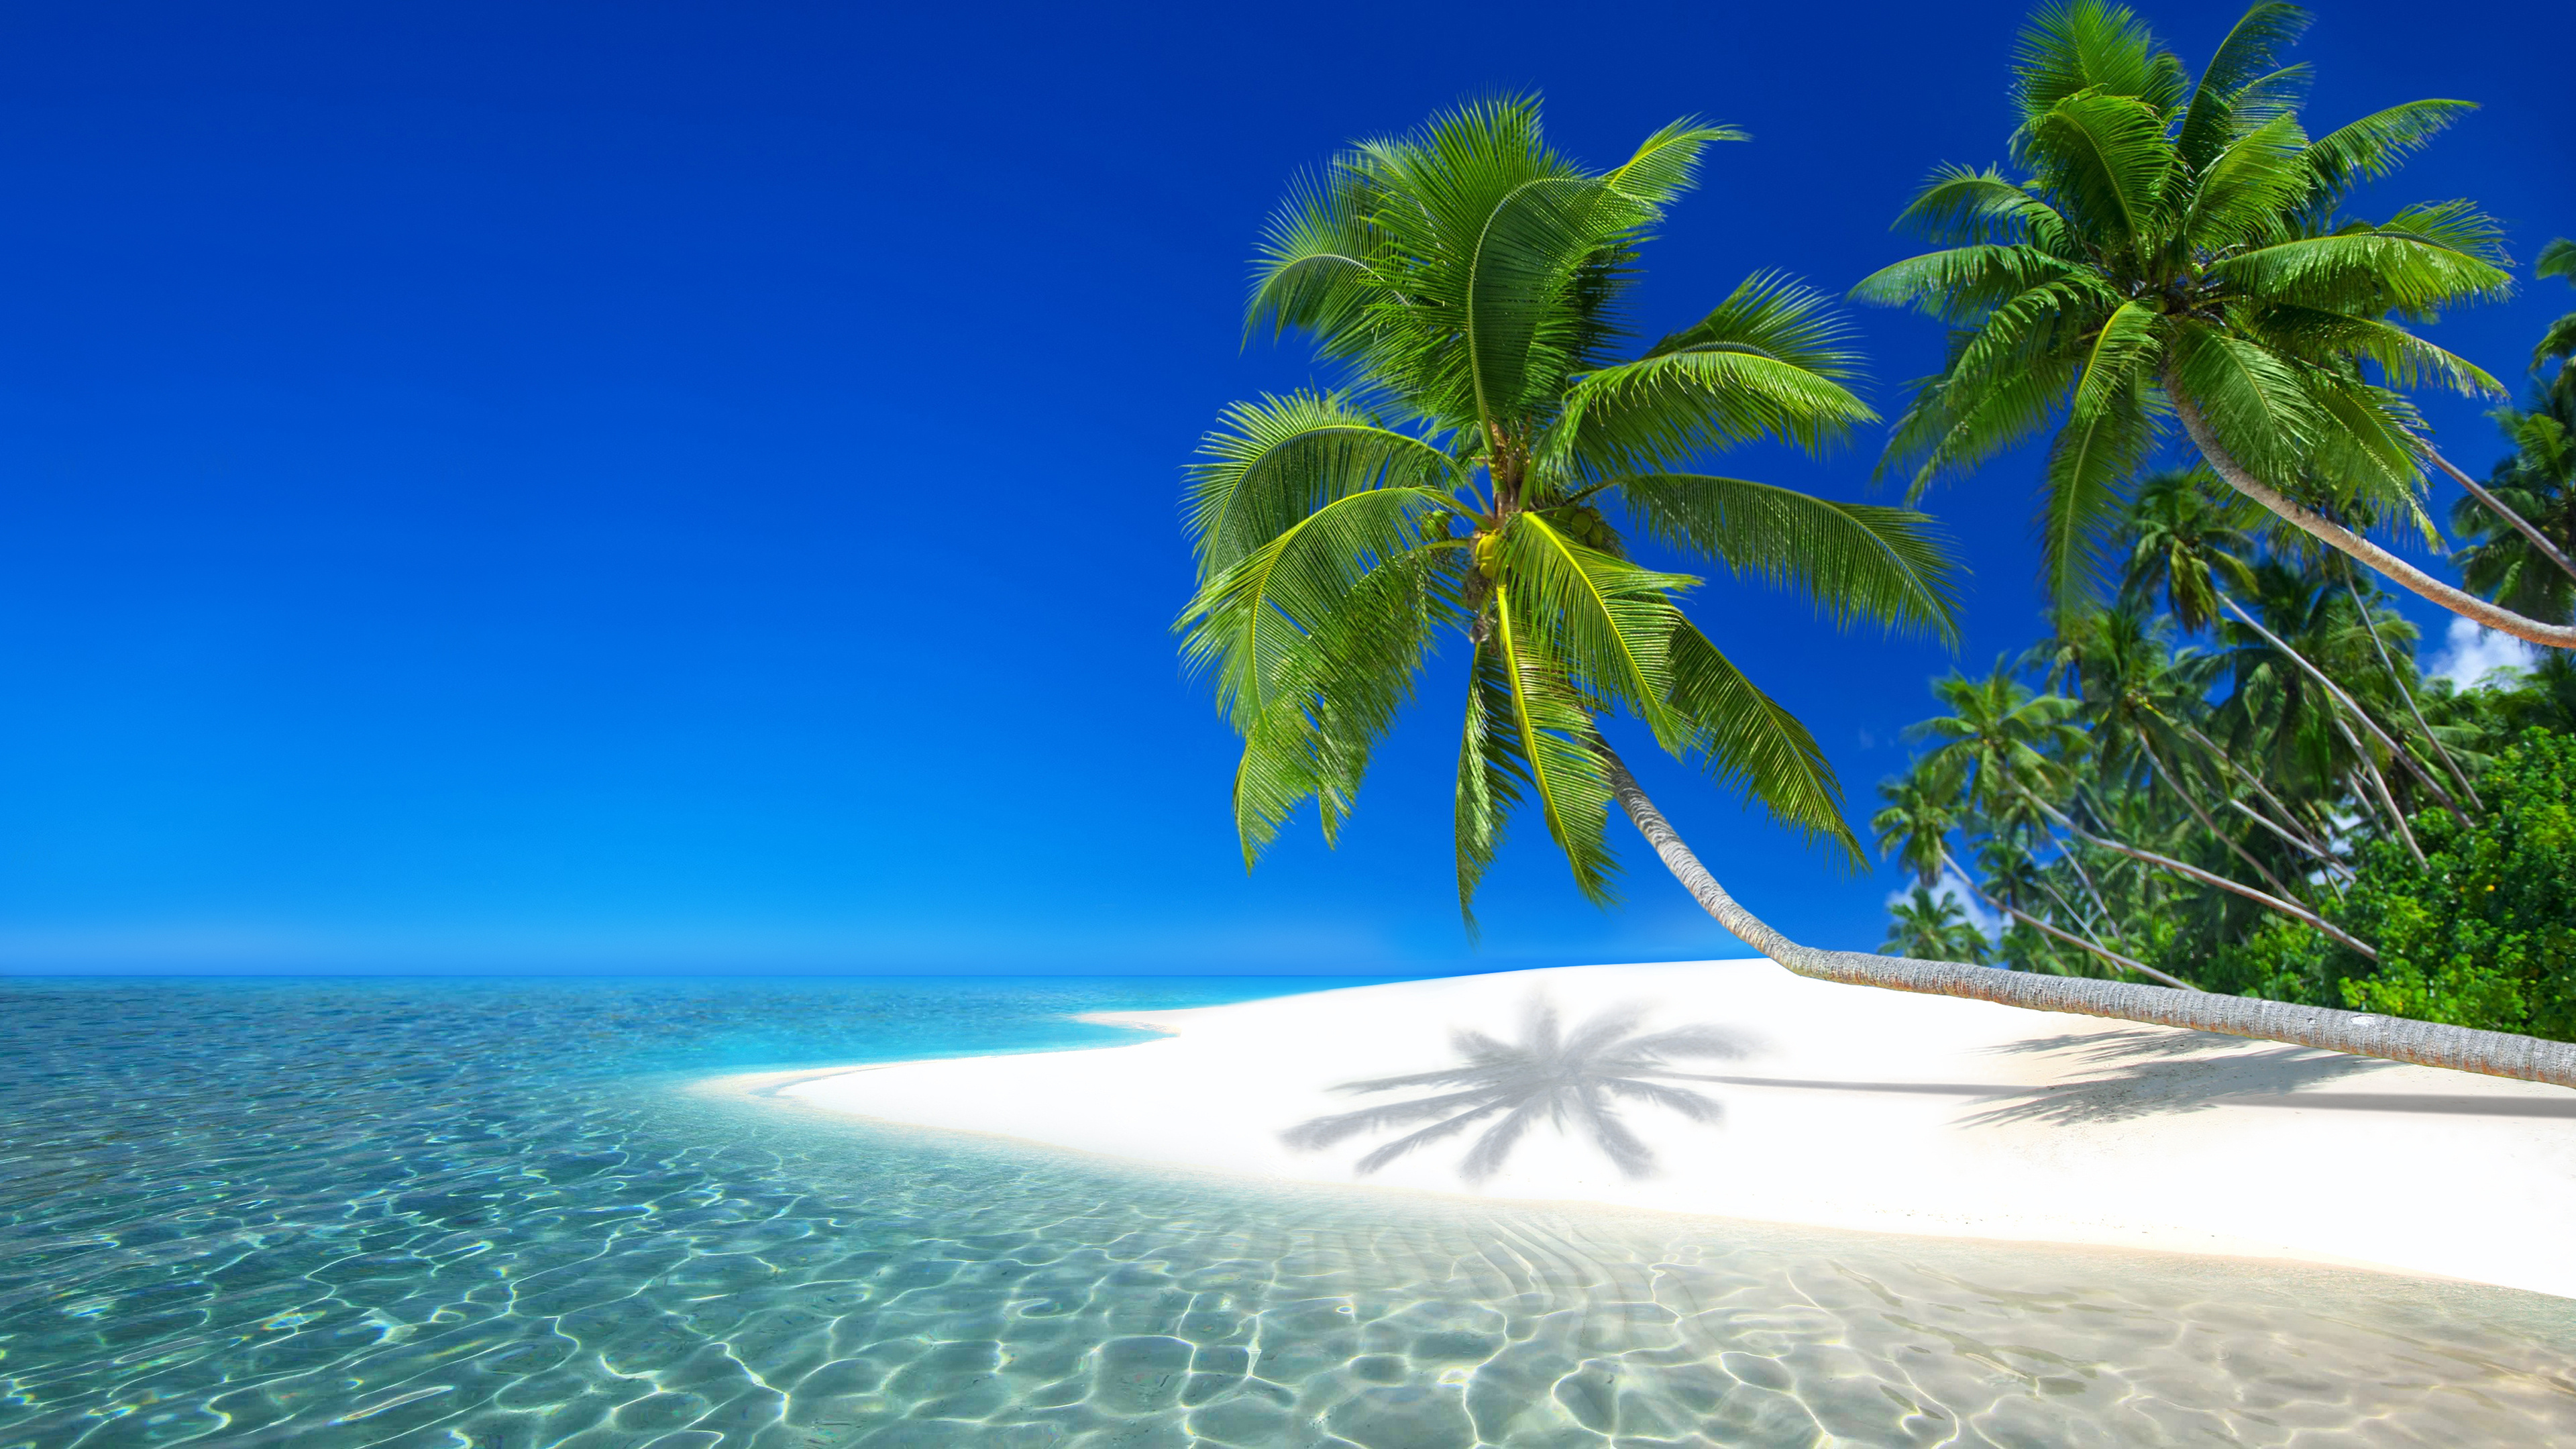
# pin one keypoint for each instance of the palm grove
(2186, 834)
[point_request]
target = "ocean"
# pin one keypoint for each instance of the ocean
(481, 1213)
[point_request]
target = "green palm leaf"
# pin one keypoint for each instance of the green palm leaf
(1857, 561)
(1270, 463)
(1745, 739)
(1492, 769)
(1555, 727)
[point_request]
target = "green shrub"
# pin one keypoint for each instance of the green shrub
(2483, 934)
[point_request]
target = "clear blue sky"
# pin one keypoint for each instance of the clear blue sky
(545, 487)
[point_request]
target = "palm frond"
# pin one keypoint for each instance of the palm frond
(2107, 156)
(1553, 722)
(1608, 622)
(1963, 283)
(2085, 45)
(1312, 269)
(2376, 145)
(1666, 164)
(1961, 206)
(1769, 361)
(2421, 261)
(2249, 55)
(1857, 561)
(2322, 337)
(2255, 401)
(1743, 738)
(1269, 463)
(2099, 450)
(1492, 769)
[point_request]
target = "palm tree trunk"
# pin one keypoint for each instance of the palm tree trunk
(2312, 845)
(2259, 818)
(2192, 803)
(2379, 782)
(2390, 1038)
(2335, 535)
(2036, 924)
(2095, 892)
(2459, 776)
(2236, 887)
(2335, 692)
(2498, 507)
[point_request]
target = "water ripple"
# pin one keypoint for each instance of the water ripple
(417, 1216)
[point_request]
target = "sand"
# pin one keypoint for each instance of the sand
(1850, 1107)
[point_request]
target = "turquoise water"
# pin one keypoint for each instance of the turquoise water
(401, 1213)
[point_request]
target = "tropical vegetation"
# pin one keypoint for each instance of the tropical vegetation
(2172, 249)
(1480, 474)
(2165, 823)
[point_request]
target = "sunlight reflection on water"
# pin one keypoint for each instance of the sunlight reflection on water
(358, 1214)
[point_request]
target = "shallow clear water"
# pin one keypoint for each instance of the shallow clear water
(451, 1214)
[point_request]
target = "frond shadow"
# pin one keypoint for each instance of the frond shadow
(2125, 1045)
(1573, 1080)
(2145, 1081)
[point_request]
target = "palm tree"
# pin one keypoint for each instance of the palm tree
(1481, 475)
(1922, 809)
(1568, 1079)
(1934, 928)
(2558, 344)
(2001, 739)
(1469, 278)
(2186, 540)
(2523, 569)
(2173, 247)
(2539, 484)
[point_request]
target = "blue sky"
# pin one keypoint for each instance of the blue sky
(538, 487)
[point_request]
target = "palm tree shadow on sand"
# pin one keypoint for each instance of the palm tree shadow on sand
(1572, 1080)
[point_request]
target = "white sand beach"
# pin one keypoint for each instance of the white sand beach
(1851, 1107)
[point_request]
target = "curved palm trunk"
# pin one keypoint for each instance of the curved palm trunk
(2044, 928)
(2338, 694)
(2459, 777)
(2191, 802)
(2335, 535)
(2192, 872)
(2391, 1038)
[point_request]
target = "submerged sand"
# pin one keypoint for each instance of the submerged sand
(1848, 1107)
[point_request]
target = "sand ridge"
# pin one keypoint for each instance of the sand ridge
(1845, 1107)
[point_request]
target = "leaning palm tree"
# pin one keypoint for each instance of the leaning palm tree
(2177, 249)
(1480, 477)
(1567, 1079)
(1482, 474)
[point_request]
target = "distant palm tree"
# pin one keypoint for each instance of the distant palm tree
(1935, 928)
(2000, 739)
(2185, 539)
(2177, 248)
(2558, 344)
(1569, 1080)
(2537, 483)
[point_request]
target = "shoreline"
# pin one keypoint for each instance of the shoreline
(1844, 1108)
